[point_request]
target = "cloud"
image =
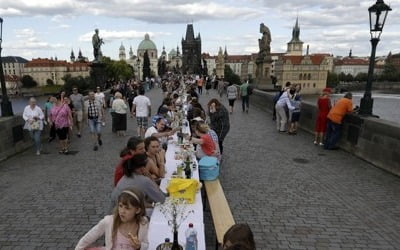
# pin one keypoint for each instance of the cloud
(109, 36)
(151, 11)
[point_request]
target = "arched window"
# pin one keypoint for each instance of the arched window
(304, 85)
(305, 77)
(300, 77)
(308, 85)
(309, 76)
(314, 85)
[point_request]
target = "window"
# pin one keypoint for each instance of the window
(309, 76)
(305, 77)
(314, 85)
(308, 85)
(300, 77)
(304, 85)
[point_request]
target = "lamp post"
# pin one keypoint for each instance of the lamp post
(377, 17)
(6, 107)
(138, 67)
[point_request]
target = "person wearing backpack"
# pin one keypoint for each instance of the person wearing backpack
(277, 96)
(244, 94)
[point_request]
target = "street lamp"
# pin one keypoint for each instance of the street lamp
(6, 107)
(138, 68)
(377, 17)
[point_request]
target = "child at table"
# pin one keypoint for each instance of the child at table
(126, 229)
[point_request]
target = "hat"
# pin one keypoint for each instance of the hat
(327, 90)
(198, 119)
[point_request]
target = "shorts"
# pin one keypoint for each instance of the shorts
(295, 117)
(142, 122)
(231, 102)
(94, 126)
(78, 116)
(62, 133)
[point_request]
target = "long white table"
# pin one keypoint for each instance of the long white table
(158, 228)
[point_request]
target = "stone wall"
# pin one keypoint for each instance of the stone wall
(374, 140)
(13, 139)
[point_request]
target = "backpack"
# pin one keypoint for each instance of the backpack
(250, 90)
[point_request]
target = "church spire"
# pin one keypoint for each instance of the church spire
(189, 32)
(72, 57)
(296, 31)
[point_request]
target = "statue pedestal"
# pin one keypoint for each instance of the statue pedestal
(98, 74)
(263, 77)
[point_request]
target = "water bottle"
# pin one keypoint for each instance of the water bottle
(191, 238)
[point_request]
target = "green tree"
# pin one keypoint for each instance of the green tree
(119, 70)
(84, 84)
(28, 82)
(390, 72)
(146, 66)
(361, 77)
(333, 80)
(230, 76)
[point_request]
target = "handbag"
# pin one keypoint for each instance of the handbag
(35, 125)
(208, 168)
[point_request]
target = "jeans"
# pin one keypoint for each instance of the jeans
(95, 126)
(245, 102)
(332, 134)
(35, 135)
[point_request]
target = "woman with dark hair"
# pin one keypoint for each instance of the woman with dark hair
(134, 170)
(134, 146)
(61, 116)
(219, 120)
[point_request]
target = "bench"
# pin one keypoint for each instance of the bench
(220, 211)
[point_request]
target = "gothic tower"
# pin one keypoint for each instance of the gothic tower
(191, 52)
(122, 54)
(295, 46)
(72, 57)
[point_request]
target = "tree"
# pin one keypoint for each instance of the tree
(230, 76)
(146, 66)
(333, 80)
(84, 84)
(361, 77)
(117, 69)
(390, 72)
(28, 82)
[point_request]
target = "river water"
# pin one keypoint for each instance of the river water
(386, 106)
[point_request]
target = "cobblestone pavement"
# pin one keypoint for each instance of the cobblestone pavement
(293, 194)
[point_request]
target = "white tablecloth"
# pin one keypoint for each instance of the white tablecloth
(159, 229)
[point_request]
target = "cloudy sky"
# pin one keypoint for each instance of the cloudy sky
(49, 28)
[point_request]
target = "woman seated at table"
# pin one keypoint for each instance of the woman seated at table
(207, 146)
(134, 146)
(156, 158)
(134, 177)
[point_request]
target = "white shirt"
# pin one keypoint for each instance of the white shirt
(142, 104)
(150, 131)
(119, 106)
(29, 113)
(100, 97)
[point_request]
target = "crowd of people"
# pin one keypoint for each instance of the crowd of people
(141, 167)
(287, 110)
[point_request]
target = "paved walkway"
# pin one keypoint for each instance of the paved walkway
(291, 193)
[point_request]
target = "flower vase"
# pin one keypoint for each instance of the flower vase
(175, 244)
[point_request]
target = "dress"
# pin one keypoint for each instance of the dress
(323, 110)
